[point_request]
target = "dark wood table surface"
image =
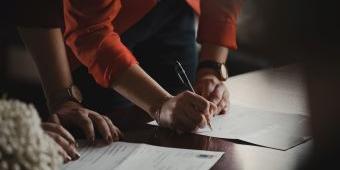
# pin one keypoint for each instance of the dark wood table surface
(274, 89)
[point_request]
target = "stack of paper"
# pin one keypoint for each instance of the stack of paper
(130, 156)
(275, 130)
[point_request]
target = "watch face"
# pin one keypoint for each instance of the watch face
(76, 94)
(224, 72)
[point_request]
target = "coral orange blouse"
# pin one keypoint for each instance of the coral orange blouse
(92, 29)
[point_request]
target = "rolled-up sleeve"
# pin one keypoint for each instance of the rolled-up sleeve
(90, 35)
(217, 22)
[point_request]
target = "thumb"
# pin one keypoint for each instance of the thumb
(212, 108)
(217, 94)
(204, 88)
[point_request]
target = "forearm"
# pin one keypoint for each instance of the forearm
(48, 51)
(213, 52)
(140, 88)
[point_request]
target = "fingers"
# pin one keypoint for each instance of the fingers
(223, 105)
(56, 128)
(63, 153)
(199, 102)
(65, 145)
(213, 109)
(188, 120)
(86, 124)
(73, 114)
(196, 120)
(102, 126)
(115, 132)
(226, 107)
(186, 123)
(217, 94)
(199, 107)
(205, 87)
(183, 124)
(220, 96)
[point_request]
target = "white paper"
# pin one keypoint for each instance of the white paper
(130, 156)
(271, 129)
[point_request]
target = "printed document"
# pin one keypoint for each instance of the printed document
(270, 129)
(131, 156)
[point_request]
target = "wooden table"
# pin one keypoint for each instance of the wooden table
(274, 89)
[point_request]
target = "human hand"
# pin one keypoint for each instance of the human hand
(185, 112)
(73, 114)
(66, 142)
(214, 90)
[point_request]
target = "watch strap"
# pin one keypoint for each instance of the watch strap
(216, 67)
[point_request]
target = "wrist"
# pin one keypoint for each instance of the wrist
(65, 107)
(205, 72)
(208, 68)
(156, 108)
(58, 98)
(213, 52)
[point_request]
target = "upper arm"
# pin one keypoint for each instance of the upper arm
(90, 34)
(217, 23)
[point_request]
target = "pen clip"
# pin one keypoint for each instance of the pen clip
(179, 74)
(183, 76)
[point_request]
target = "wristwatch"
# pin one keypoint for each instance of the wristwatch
(72, 93)
(219, 69)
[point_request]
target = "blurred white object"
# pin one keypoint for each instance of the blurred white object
(23, 144)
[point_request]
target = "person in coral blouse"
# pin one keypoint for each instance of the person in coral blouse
(123, 53)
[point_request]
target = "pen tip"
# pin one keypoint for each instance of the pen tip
(210, 126)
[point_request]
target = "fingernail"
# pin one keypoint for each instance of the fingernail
(76, 155)
(67, 159)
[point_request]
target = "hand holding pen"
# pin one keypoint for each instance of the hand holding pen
(184, 79)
